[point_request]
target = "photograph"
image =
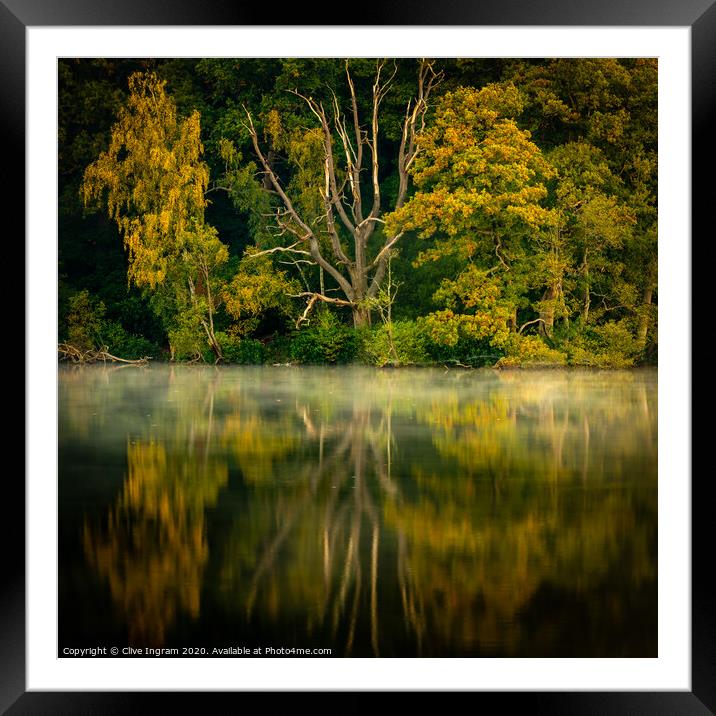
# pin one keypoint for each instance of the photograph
(342, 343)
(357, 357)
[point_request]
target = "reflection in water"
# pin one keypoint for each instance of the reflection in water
(152, 548)
(386, 513)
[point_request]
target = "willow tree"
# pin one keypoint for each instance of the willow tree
(349, 187)
(152, 182)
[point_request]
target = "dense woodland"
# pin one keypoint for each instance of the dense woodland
(392, 212)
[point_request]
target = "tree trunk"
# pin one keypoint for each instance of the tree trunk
(209, 330)
(586, 298)
(270, 158)
(512, 322)
(360, 276)
(361, 316)
(585, 306)
(547, 312)
(644, 319)
(208, 327)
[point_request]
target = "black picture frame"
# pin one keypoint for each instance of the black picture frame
(17, 15)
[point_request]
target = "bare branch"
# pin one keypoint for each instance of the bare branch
(358, 277)
(321, 297)
(330, 221)
(498, 247)
(312, 299)
(309, 236)
(414, 124)
(529, 323)
(360, 138)
(287, 249)
(379, 91)
(352, 164)
(370, 219)
(382, 253)
(336, 194)
(272, 176)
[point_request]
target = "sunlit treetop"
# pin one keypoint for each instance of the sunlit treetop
(478, 174)
(151, 179)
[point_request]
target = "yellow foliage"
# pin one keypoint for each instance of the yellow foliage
(151, 179)
(255, 288)
(479, 177)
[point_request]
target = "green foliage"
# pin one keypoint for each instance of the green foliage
(610, 345)
(86, 327)
(186, 338)
(246, 351)
(257, 288)
(466, 350)
(530, 351)
(127, 345)
(325, 340)
(246, 192)
(84, 321)
(534, 206)
(277, 348)
(396, 343)
(473, 327)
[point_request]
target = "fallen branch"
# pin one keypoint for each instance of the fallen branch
(457, 364)
(71, 353)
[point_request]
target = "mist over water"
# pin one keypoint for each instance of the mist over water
(374, 512)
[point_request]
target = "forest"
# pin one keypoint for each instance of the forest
(467, 212)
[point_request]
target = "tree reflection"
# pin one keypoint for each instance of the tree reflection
(152, 546)
(311, 548)
(508, 510)
(388, 513)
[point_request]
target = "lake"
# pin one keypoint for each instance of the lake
(409, 512)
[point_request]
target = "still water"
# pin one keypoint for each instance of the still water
(371, 512)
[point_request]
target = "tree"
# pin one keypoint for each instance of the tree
(594, 220)
(351, 207)
(255, 289)
(611, 105)
(550, 230)
(480, 191)
(151, 180)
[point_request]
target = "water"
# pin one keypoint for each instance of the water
(371, 512)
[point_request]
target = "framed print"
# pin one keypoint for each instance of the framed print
(479, 502)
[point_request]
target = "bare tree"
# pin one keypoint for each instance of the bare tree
(349, 221)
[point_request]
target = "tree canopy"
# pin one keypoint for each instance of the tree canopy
(409, 211)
